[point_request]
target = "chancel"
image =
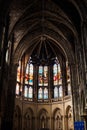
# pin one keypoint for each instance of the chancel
(43, 64)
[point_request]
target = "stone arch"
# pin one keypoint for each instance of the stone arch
(29, 119)
(17, 118)
(24, 45)
(43, 118)
(57, 122)
(69, 118)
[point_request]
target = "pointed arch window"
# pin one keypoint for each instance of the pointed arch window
(57, 80)
(40, 93)
(19, 79)
(25, 79)
(30, 92)
(43, 82)
(45, 76)
(40, 77)
(17, 88)
(56, 92)
(45, 93)
(60, 91)
(25, 91)
(29, 80)
(29, 74)
(68, 79)
(19, 72)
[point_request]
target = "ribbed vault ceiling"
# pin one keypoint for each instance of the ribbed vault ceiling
(46, 28)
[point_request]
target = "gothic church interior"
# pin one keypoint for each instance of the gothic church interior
(43, 64)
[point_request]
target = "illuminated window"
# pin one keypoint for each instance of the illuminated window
(43, 82)
(30, 92)
(19, 79)
(31, 74)
(60, 91)
(45, 76)
(57, 80)
(45, 93)
(56, 92)
(27, 74)
(25, 91)
(68, 79)
(40, 93)
(17, 89)
(25, 79)
(40, 77)
(55, 77)
(19, 72)
(29, 80)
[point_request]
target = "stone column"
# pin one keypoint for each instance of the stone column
(3, 55)
(75, 92)
(84, 43)
(50, 80)
(7, 120)
(64, 79)
(35, 79)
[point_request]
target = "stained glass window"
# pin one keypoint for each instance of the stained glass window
(25, 91)
(17, 89)
(68, 72)
(56, 92)
(19, 72)
(55, 77)
(43, 81)
(30, 92)
(31, 74)
(60, 91)
(57, 80)
(29, 81)
(68, 78)
(27, 74)
(40, 93)
(59, 75)
(45, 76)
(45, 93)
(40, 77)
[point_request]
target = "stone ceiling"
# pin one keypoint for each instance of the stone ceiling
(57, 22)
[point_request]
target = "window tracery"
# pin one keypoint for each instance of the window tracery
(26, 82)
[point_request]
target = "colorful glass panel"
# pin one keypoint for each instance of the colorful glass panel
(55, 77)
(19, 72)
(45, 93)
(40, 77)
(59, 75)
(31, 74)
(40, 93)
(17, 89)
(55, 92)
(25, 91)
(60, 91)
(27, 74)
(30, 93)
(45, 76)
(68, 72)
(68, 78)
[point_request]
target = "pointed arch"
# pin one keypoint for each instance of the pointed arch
(17, 118)
(57, 116)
